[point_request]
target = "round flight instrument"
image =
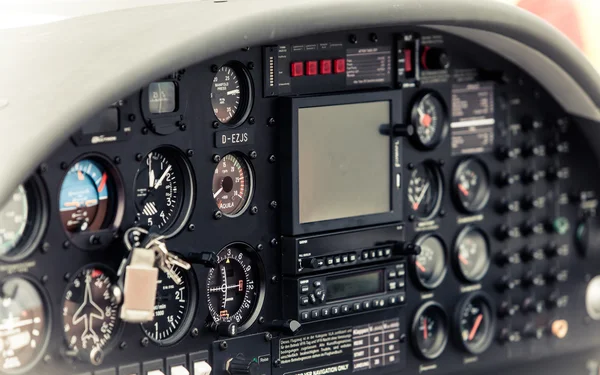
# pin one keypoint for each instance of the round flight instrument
(430, 264)
(471, 185)
(22, 221)
(164, 189)
(425, 190)
(475, 323)
(472, 253)
(88, 196)
(235, 287)
(428, 116)
(24, 325)
(174, 308)
(90, 314)
(430, 330)
(231, 94)
(233, 185)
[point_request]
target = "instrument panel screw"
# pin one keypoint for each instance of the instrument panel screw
(274, 242)
(131, 117)
(47, 358)
(253, 154)
(261, 320)
(191, 227)
(144, 130)
(411, 166)
(216, 124)
(250, 65)
(64, 165)
(402, 338)
(353, 39)
(44, 279)
(273, 204)
(442, 213)
(190, 152)
(374, 38)
(195, 332)
(277, 362)
(268, 336)
(45, 247)
(254, 210)
(117, 160)
(214, 68)
(144, 342)
(251, 120)
(123, 345)
(216, 158)
(271, 121)
(67, 276)
(441, 162)
(260, 247)
(43, 168)
(246, 49)
(139, 157)
(272, 159)
(411, 217)
(274, 279)
(182, 126)
(217, 215)
(223, 345)
(66, 245)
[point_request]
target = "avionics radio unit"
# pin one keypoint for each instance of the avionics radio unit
(344, 293)
(358, 247)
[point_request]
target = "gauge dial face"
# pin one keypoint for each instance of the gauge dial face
(430, 264)
(90, 316)
(471, 185)
(13, 221)
(476, 323)
(163, 191)
(429, 119)
(233, 184)
(174, 308)
(430, 330)
(235, 289)
(85, 195)
(424, 190)
(230, 94)
(24, 325)
(473, 254)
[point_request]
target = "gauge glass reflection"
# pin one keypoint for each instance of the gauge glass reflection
(13, 221)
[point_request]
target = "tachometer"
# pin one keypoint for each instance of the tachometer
(164, 189)
(428, 116)
(24, 325)
(174, 308)
(471, 185)
(236, 287)
(424, 190)
(231, 93)
(233, 184)
(90, 314)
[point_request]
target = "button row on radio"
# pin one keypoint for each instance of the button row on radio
(355, 307)
(376, 253)
(340, 259)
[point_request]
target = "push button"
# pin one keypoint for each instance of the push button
(392, 300)
(366, 305)
(314, 314)
(335, 310)
(356, 306)
(325, 66)
(304, 289)
(387, 252)
(352, 257)
(372, 254)
(297, 69)
(339, 66)
(304, 316)
(303, 301)
(337, 259)
(345, 259)
(329, 261)
(392, 274)
(365, 255)
(325, 312)
(317, 283)
(312, 68)
(345, 309)
(392, 285)
(312, 299)
(380, 253)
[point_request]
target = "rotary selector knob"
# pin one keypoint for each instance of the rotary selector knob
(435, 59)
(239, 365)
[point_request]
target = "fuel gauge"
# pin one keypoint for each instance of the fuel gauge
(475, 323)
(430, 330)
(471, 185)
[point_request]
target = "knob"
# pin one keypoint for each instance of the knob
(556, 301)
(556, 275)
(435, 59)
(552, 174)
(507, 309)
(411, 249)
(505, 232)
(506, 283)
(530, 305)
(287, 327)
(560, 225)
(559, 328)
(504, 206)
(241, 366)
(230, 329)
(531, 228)
(312, 263)
(530, 202)
(504, 152)
(533, 332)
(399, 130)
(530, 253)
(528, 123)
(531, 279)
(558, 148)
(553, 250)
(505, 179)
(508, 336)
(506, 257)
(530, 176)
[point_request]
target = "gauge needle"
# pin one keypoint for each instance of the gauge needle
(463, 190)
(425, 333)
(161, 179)
(475, 326)
(421, 196)
(151, 178)
(463, 260)
(216, 194)
(420, 266)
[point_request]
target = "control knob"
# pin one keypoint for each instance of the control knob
(505, 206)
(531, 279)
(505, 179)
(239, 365)
(531, 253)
(504, 152)
(557, 275)
(556, 301)
(311, 263)
(530, 176)
(506, 283)
(506, 257)
(531, 331)
(505, 232)
(530, 305)
(434, 59)
(528, 123)
(507, 309)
